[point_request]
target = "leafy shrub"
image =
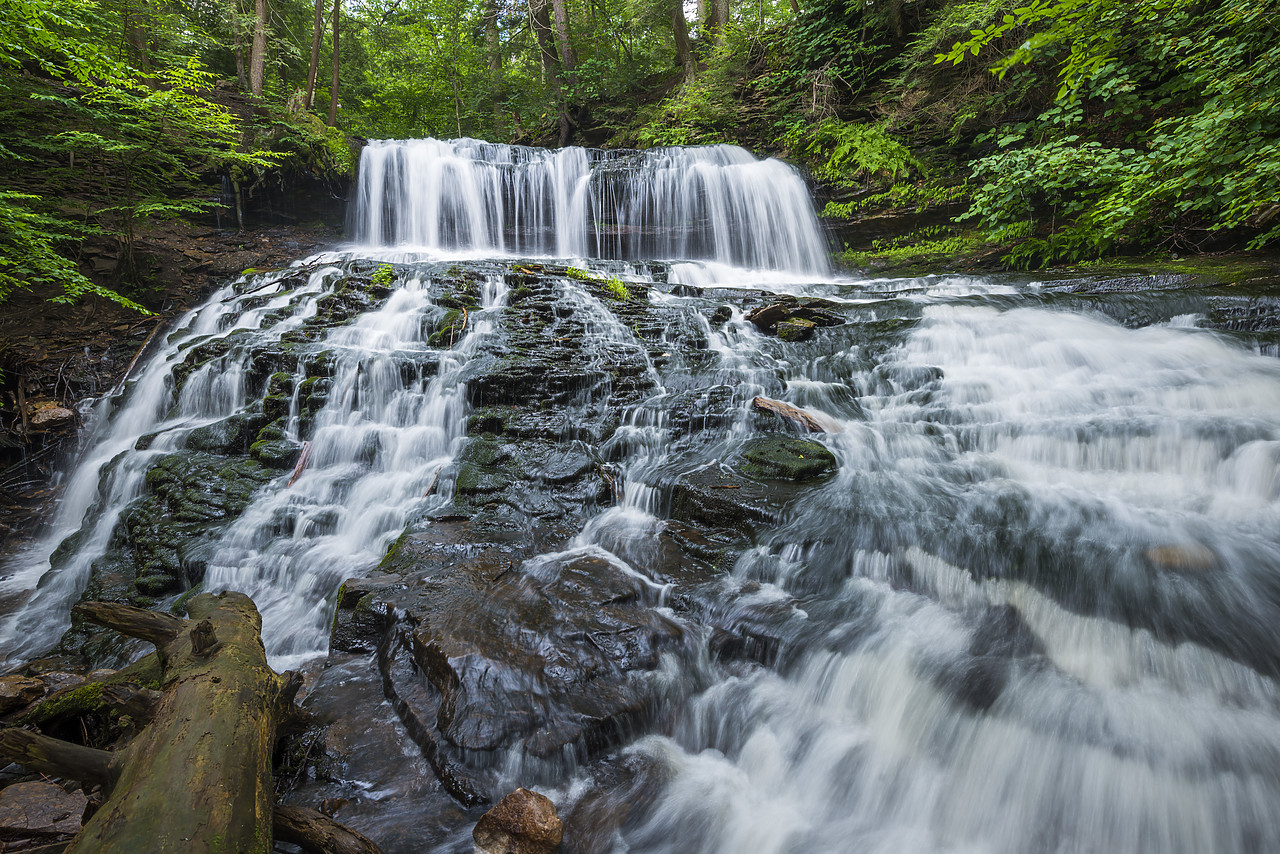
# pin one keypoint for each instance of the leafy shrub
(841, 152)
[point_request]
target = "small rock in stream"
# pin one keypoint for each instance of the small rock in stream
(523, 822)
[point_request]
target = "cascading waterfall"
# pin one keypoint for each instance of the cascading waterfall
(1036, 608)
(715, 203)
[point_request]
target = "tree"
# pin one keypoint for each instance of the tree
(333, 85)
(258, 52)
(317, 35)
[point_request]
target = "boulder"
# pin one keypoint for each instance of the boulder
(523, 822)
(39, 811)
(49, 415)
(19, 691)
(786, 458)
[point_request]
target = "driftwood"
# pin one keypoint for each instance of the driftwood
(795, 415)
(315, 832)
(197, 777)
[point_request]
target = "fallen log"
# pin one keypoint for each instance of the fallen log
(197, 777)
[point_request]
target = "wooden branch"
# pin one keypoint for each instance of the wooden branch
(160, 629)
(54, 756)
(316, 833)
(303, 458)
(132, 700)
(793, 414)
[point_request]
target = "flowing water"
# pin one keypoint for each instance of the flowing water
(1036, 609)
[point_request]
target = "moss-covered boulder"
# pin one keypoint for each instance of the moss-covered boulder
(780, 457)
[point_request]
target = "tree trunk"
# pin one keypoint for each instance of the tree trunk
(317, 35)
(137, 35)
(568, 60)
(237, 31)
(493, 46)
(721, 8)
(333, 85)
(540, 21)
(680, 27)
(258, 53)
(199, 777)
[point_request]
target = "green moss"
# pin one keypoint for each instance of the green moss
(78, 701)
(926, 250)
(786, 458)
(449, 330)
(796, 329)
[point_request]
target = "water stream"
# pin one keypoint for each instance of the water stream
(1035, 609)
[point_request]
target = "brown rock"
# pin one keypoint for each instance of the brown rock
(40, 810)
(766, 317)
(523, 822)
(51, 415)
(19, 691)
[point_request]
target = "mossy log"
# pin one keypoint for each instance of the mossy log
(197, 778)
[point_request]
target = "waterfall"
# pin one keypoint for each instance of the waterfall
(1032, 605)
(716, 203)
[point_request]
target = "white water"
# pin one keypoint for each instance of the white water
(716, 203)
(1113, 739)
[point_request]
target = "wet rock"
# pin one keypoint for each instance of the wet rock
(39, 812)
(725, 500)
(694, 410)
(231, 435)
(786, 458)
(159, 544)
(523, 822)
(795, 329)
(794, 319)
(545, 656)
(276, 454)
(361, 620)
(1000, 639)
(19, 691)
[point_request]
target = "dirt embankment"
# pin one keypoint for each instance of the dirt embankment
(55, 358)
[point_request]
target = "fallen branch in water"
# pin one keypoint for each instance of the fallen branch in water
(303, 459)
(795, 415)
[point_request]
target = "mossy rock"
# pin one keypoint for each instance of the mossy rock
(796, 329)
(276, 454)
(230, 435)
(786, 458)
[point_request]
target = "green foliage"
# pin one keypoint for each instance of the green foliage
(29, 257)
(706, 109)
(384, 276)
(1163, 126)
(919, 196)
(842, 152)
(927, 248)
(617, 289)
